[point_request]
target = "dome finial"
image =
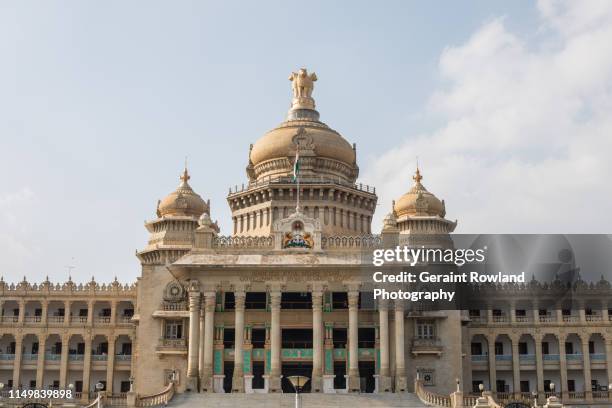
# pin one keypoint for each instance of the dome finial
(185, 176)
(417, 176)
(302, 104)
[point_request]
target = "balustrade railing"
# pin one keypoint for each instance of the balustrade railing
(431, 398)
(303, 180)
(343, 242)
(161, 398)
(222, 241)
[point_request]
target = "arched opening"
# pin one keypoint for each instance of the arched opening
(53, 353)
(597, 355)
(33, 312)
(123, 364)
(78, 312)
(479, 350)
(10, 312)
(504, 379)
(527, 361)
(7, 355)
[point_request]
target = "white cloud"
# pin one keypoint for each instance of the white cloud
(526, 128)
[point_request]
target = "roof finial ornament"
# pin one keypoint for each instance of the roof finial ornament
(185, 176)
(302, 86)
(417, 176)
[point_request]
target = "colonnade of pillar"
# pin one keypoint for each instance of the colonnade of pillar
(201, 343)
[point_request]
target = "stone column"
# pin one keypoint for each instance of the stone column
(201, 344)
(22, 307)
(562, 366)
(317, 341)
(194, 320)
(539, 363)
(43, 317)
(110, 364)
(64, 361)
(586, 366)
(238, 379)
(17, 361)
(401, 383)
(516, 368)
(492, 367)
(66, 312)
(206, 372)
(384, 379)
(90, 308)
(87, 364)
(40, 366)
(113, 316)
(354, 382)
(274, 384)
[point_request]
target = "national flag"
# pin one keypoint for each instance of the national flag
(296, 165)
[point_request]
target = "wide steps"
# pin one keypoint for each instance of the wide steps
(193, 400)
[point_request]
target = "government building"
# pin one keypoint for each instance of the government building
(289, 291)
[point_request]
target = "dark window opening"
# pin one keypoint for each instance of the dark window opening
(125, 386)
(524, 386)
(367, 337)
(591, 347)
(255, 300)
(230, 301)
(545, 349)
(339, 338)
(520, 312)
(229, 337)
(296, 300)
(258, 338)
(566, 312)
(339, 300)
(499, 349)
(522, 348)
(297, 338)
(569, 348)
(474, 313)
(476, 349)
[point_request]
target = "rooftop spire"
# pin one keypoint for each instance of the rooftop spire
(302, 104)
(417, 176)
(185, 176)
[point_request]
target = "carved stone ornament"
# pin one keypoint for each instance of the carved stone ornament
(174, 292)
(303, 141)
(297, 231)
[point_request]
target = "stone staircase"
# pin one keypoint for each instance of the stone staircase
(193, 400)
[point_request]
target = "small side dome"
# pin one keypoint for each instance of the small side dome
(419, 202)
(184, 201)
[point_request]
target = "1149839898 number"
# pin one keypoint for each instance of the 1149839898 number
(42, 394)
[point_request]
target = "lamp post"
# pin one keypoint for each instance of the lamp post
(131, 383)
(99, 387)
(534, 394)
(1, 388)
(298, 381)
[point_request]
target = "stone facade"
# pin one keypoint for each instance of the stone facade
(290, 292)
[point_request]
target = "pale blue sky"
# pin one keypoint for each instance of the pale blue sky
(101, 101)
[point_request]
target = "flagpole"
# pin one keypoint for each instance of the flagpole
(297, 175)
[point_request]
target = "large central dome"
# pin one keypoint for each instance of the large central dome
(323, 152)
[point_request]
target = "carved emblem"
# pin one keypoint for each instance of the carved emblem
(298, 238)
(303, 140)
(174, 292)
